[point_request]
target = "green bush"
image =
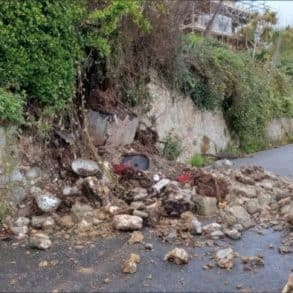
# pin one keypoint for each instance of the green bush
(216, 77)
(40, 45)
(197, 161)
(172, 147)
(11, 106)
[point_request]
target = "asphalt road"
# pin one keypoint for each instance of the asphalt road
(86, 268)
(278, 160)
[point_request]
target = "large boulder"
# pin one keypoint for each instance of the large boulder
(237, 215)
(176, 200)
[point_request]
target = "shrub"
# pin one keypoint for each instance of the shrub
(215, 76)
(172, 147)
(11, 106)
(41, 48)
(197, 161)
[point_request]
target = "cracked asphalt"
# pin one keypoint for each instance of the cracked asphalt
(97, 267)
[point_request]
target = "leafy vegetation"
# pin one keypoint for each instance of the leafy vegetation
(11, 107)
(172, 147)
(197, 160)
(215, 76)
(39, 50)
(113, 44)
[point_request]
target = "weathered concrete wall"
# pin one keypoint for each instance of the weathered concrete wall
(279, 129)
(112, 128)
(198, 131)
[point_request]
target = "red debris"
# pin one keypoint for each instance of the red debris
(121, 168)
(184, 178)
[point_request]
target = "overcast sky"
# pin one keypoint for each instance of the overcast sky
(284, 9)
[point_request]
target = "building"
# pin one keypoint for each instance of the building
(229, 17)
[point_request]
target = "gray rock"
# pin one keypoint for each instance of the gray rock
(40, 241)
(33, 173)
(210, 228)
(253, 206)
(18, 195)
(196, 227)
(82, 211)
(238, 214)
(127, 222)
(141, 214)
(232, 234)
(22, 221)
(47, 202)
(205, 205)
(85, 168)
(17, 176)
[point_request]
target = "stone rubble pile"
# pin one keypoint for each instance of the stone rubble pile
(177, 207)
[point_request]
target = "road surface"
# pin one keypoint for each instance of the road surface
(85, 269)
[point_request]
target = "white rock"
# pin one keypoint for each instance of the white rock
(233, 234)
(178, 256)
(85, 167)
(225, 258)
(223, 164)
(37, 221)
(19, 230)
(47, 202)
(113, 210)
(22, 221)
(210, 228)
(217, 235)
(127, 222)
(196, 227)
(33, 173)
(156, 177)
(68, 190)
(157, 188)
(40, 241)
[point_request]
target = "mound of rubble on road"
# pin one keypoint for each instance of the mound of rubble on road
(85, 205)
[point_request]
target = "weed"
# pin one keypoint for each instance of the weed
(172, 147)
